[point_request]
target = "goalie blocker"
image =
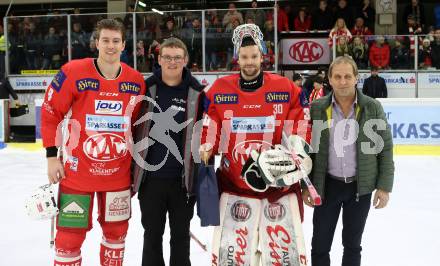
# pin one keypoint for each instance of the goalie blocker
(258, 232)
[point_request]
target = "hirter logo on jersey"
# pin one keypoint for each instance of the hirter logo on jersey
(87, 85)
(241, 211)
(277, 97)
(58, 81)
(108, 107)
(227, 98)
(129, 87)
(105, 147)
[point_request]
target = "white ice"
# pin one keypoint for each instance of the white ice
(406, 233)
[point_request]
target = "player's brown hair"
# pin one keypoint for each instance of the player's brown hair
(173, 43)
(110, 24)
(343, 60)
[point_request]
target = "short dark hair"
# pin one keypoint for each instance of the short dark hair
(110, 24)
(247, 41)
(318, 79)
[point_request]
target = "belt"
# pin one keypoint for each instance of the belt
(342, 179)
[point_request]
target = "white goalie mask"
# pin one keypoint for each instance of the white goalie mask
(248, 30)
(41, 204)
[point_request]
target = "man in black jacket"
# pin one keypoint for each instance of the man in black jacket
(163, 168)
(375, 86)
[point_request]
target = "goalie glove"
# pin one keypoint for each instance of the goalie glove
(252, 174)
(41, 203)
(277, 167)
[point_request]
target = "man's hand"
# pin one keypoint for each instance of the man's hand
(16, 104)
(55, 170)
(307, 198)
(205, 152)
(381, 198)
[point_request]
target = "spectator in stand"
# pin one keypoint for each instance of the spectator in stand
(417, 10)
(297, 79)
(283, 20)
(52, 50)
(360, 29)
(413, 29)
(318, 89)
(32, 43)
(308, 84)
(193, 41)
(359, 52)
(340, 29)
(368, 13)
(78, 41)
(170, 30)
(375, 86)
(322, 18)
(342, 47)
(399, 56)
(380, 53)
(269, 35)
(435, 46)
(425, 54)
(302, 22)
(214, 48)
(344, 11)
(257, 15)
(232, 15)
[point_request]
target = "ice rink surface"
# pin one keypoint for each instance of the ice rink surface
(406, 233)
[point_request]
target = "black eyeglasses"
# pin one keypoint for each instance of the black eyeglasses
(168, 59)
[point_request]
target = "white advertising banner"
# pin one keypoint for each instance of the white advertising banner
(305, 51)
(30, 83)
(429, 84)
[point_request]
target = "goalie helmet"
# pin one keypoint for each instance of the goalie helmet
(41, 203)
(248, 30)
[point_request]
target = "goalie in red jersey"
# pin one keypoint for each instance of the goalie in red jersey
(96, 98)
(245, 118)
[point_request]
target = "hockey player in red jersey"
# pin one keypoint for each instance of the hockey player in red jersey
(246, 115)
(96, 98)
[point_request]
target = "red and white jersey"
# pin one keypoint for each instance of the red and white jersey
(97, 152)
(236, 122)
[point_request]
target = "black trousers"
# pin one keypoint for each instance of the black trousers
(325, 218)
(157, 196)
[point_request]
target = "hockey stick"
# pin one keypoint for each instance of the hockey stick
(203, 246)
(312, 190)
(52, 232)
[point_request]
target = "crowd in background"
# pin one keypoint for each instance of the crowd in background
(42, 43)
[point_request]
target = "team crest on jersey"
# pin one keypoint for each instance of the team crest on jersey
(58, 81)
(241, 211)
(277, 97)
(87, 85)
(129, 87)
(226, 98)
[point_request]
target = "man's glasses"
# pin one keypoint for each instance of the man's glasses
(168, 59)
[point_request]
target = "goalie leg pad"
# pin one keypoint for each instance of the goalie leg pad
(281, 234)
(236, 239)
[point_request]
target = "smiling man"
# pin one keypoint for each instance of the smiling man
(165, 171)
(354, 157)
(246, 114)
(93, 94)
